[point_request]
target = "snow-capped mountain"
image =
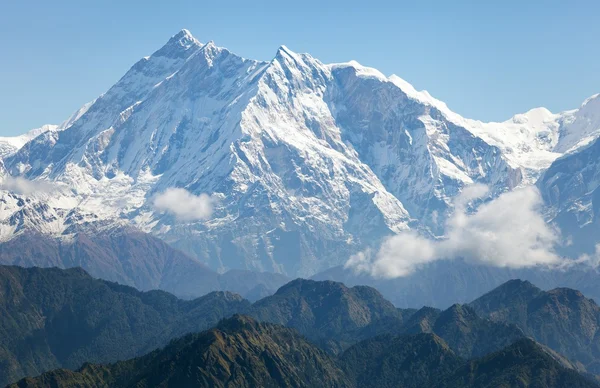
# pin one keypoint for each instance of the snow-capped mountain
(306, 162)
(570, 186)
(529, 141)
(10, 145)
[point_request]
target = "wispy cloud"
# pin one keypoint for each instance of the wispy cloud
(184, 205)
(506, 232)
(587, 259)
(24, 186)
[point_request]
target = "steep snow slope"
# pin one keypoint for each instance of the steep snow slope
(581, 126)
(422, 158)
(307, 162)
(571, 188)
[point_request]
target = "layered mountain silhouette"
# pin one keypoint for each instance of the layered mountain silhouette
(240, 352)
(442, 283)
(55, 318)
(464, 331)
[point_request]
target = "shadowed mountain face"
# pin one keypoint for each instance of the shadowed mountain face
(53, 318)
(523, 364)
(562, 319)
(425, 360)
(127, 257)
(467, 334)
(388, 361)
(239, 352)
(471, 336)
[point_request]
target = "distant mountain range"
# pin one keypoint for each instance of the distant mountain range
(289, 165)
(337, 336)
(137, 259)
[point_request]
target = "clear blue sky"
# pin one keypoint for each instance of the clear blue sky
(487, 59)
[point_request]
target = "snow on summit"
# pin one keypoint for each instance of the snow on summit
(307, 163)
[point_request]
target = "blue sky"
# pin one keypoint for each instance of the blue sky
(486, 59)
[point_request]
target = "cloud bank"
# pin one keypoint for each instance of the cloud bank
(184, 205)
(508, 231)
(24, 186)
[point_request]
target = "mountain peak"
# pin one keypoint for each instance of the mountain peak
(283, 52)
(241, 128)
(308, 285)
(183, 37)
(184, 33)
(591, 99)
(514, 284)
(515, 291)
(178, 45)
(536, 117)
(568, 295)
(284, 49)
(211, 48)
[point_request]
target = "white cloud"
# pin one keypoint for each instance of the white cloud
(184, 205)
(24, 186)
(508, 231)
(398, 256)
(468, 194)
(590, 260)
